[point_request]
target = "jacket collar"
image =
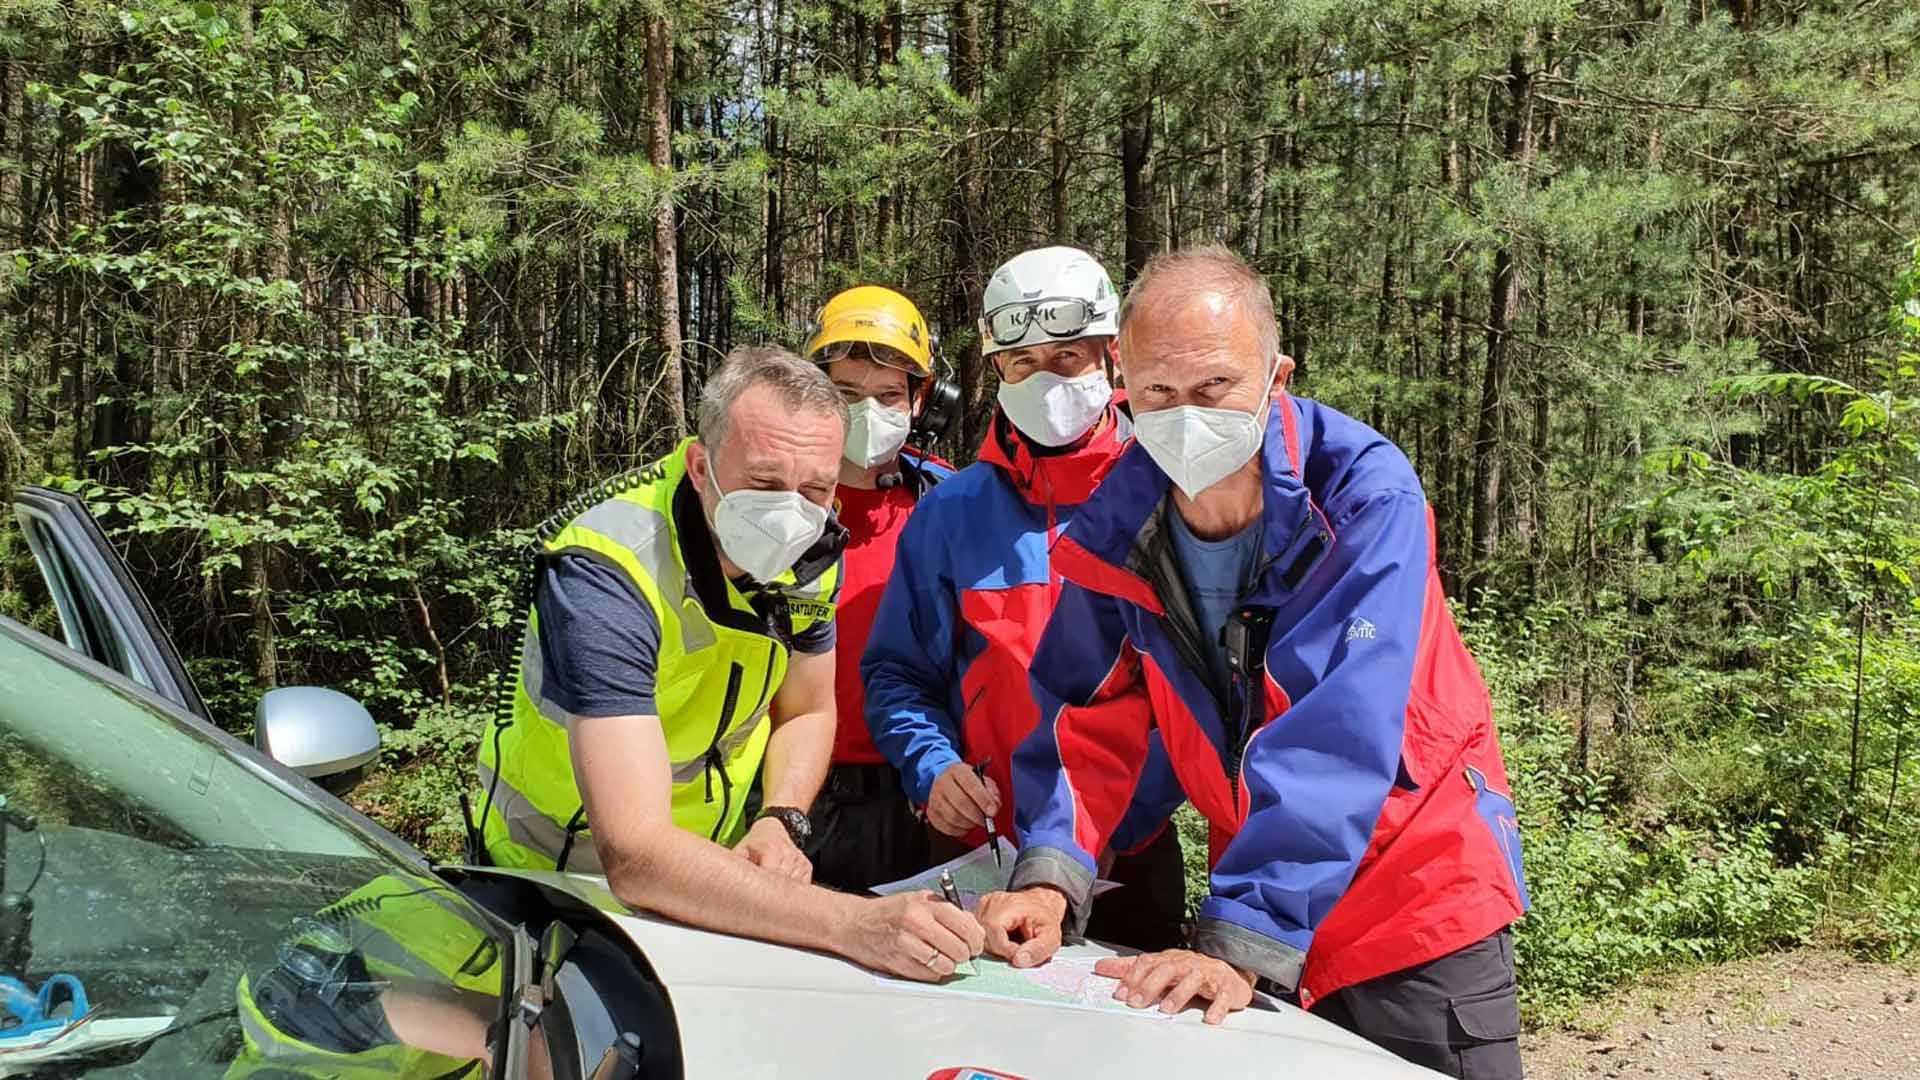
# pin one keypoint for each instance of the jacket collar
(1118, 539)
(1066, 478)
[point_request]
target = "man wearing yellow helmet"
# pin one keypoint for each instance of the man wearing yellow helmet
(876, 348)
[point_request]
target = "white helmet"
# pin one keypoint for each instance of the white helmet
(1047, 294)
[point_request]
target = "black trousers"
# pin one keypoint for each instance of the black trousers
(1149, 912)
(864, 830)
(1458, 1015)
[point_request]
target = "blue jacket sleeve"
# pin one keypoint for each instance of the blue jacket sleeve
(1317, 776)
(908, 665)
(1076, 775)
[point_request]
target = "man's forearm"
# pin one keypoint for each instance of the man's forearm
(693, 880)
(798, 752)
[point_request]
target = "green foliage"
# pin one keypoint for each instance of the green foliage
(322, 306)
(1615, 895)
(1194, 854)
(428, 766)
(1609, 904)
(347, 462)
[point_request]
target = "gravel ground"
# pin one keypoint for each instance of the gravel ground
(1807, 1015)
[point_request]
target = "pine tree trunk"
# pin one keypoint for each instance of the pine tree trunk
(963, 290)
(1452, 372)
(1254, 224)
(1503, 290)
(126, 185)
(1542, 436)
(773, 240)
(884, 30)
(666, 262)
(1294, 326)
(1136, 155)
(264, 442)
(1057, 184)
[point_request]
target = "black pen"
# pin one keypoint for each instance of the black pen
(993, 834)
(952, 894)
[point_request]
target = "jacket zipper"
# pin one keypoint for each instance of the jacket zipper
(1237, 745)
(1241, 685)
(1237, 703)
(1250, 697)
(732, 700)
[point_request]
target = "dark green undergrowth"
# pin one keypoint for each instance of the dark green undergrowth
(1668, 852)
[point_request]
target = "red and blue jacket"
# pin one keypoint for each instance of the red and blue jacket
(972, 588)
(1350, 771)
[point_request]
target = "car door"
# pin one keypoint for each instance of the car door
(102, 611)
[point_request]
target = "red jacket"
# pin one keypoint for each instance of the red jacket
(874, 519)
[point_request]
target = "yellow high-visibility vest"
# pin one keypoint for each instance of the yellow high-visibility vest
(403, 932)
(721, 657)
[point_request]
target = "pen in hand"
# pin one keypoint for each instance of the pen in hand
(993, 834)
(952, 894)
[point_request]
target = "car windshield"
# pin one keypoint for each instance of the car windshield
(170, 909)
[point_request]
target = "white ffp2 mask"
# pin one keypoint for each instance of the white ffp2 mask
(875, 433)
(1053, 410)
(1196, 446)
(765, 532)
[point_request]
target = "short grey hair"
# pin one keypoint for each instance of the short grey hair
(1184, 274)
(801, 386)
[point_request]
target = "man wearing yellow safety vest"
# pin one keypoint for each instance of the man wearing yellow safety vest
(681, 636)
(875, 346)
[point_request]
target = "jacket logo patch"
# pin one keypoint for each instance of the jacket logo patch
(1361, 630)
(810, 609)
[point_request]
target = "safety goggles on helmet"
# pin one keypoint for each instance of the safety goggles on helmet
(1059, 317)
(877, 316)
(884, 355)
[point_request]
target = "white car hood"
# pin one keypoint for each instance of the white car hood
(750, 1009)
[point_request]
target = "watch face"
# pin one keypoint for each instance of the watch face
(798, 827)
(797, 824)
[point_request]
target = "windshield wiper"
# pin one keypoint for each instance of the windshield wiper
(520, 1007)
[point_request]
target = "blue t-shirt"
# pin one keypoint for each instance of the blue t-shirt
(1216, 573)
(600, 643)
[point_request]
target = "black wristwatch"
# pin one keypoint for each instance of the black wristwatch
(793, 818)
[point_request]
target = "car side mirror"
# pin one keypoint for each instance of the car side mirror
(322, 734)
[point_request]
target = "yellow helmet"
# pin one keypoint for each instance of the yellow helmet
(876, 316)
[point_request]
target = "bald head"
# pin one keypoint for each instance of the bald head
(1211, 277)
(1198, 330)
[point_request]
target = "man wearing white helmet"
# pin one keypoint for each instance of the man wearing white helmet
(947, 694)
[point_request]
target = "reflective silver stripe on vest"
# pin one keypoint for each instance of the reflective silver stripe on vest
(533, 672)
(644, 532)
(686, 772)
(530, 828)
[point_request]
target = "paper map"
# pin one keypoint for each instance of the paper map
(974, 875)
(1067, 981)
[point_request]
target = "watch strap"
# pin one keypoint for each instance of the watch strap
(799, 827)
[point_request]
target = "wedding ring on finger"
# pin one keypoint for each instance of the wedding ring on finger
(933, 961)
